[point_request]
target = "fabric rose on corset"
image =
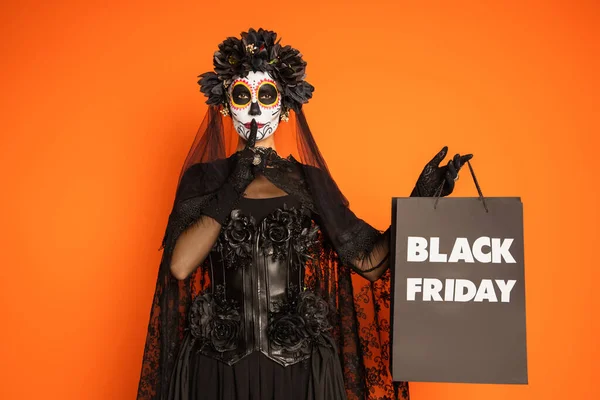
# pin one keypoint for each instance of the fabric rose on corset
(237, 233)
(278, 230)
(279, 226)
(225, 329)
(213, 323)
(201, 315)
(315, 311)
(287, 332)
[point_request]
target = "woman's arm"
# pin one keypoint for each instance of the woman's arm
(199, 218)
(193, 245)
(359, 246)
(195, 242)
(196, 221)
(375, 263)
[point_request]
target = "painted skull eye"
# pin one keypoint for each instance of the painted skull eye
(267, 94)
(240, 95)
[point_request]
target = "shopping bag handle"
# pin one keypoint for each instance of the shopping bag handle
(439, 190)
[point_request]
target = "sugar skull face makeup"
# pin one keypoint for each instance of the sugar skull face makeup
(255, 97)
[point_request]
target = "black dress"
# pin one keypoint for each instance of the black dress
(258, 331)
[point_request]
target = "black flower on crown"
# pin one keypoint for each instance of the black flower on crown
(257, 51)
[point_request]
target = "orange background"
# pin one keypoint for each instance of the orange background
(100, 105)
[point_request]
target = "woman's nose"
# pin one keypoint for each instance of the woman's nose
(254, 109)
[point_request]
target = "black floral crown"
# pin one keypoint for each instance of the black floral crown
(257, 51)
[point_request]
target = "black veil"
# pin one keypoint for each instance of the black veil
(351, 248)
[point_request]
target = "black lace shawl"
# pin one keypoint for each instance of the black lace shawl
(362, 325)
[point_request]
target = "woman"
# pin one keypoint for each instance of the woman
(255, 296)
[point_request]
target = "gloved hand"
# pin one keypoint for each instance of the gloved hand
(243, 173)
(433, 175)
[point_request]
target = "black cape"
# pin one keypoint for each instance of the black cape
(362, 326)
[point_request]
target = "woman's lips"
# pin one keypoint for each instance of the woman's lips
(258, 125)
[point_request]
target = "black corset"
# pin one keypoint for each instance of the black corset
(258, 299)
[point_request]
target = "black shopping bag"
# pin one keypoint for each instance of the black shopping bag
(458, 290)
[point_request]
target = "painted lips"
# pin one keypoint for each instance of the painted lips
(258, 125)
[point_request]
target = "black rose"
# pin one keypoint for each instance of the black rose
(238, 232)
(279, 226)
(213, 323)
(201, 315)
(285, 216)
(277, 233)
(239, 228)
(225, 329)
(287, 332)
(315, 311)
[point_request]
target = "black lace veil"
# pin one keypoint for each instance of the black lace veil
(352, 248)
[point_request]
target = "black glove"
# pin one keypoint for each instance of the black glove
(433, 175)
(226, 198)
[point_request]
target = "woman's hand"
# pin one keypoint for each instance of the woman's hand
(243, 172)
(433, 175)
(257, 158)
